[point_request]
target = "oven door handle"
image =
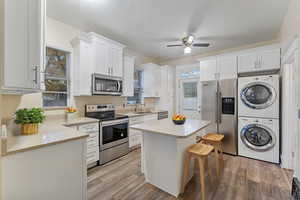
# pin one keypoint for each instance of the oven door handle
(116, 122)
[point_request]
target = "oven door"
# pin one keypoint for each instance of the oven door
(106, 85)
(113, 133)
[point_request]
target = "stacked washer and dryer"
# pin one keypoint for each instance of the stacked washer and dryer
(258, 117)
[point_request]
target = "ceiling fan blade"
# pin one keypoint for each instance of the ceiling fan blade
(201, 45)
(174, 45)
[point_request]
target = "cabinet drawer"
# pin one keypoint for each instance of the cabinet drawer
(92, 156)
(91, 144)
(94, 127)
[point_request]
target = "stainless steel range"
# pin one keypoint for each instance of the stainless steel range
(113, 131)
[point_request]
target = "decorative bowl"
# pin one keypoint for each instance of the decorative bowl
(179, 122)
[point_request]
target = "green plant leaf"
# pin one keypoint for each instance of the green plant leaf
(29, 116)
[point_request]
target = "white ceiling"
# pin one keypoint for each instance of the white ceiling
(147, 26)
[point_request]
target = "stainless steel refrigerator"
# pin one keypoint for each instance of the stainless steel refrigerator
(219, 105)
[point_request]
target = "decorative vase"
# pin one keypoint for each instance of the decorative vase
(29, 129)
(70, 116)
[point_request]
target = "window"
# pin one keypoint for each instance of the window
(190, 89)
(56, 78)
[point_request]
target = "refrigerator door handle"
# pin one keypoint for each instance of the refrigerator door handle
(220, 108)
(217, 111)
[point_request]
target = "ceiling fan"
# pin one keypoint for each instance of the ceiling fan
(188, 42)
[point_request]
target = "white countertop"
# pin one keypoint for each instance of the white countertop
(51, 132)
(167, 127)
(80, 121)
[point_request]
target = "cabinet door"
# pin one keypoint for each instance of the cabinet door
(208, 70)
(148, 80)
(23, 28)
(116, 61)
(270, 59)
(227, 67)
(247, 62)
(84, 69)
(101, 57)
(157, 81)
(128, 77)
(36, 46)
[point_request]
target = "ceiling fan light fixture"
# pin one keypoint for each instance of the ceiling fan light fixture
(187, 50)
(190, 39)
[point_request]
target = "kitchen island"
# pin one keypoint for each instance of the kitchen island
(163, 147)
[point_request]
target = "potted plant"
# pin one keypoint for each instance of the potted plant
(70, 113)
(29, 120)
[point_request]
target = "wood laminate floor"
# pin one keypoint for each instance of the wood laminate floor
(242, 179)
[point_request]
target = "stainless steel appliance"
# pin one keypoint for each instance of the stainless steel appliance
(162, 115)
(106, 85)
(219, 105)
(113, 131)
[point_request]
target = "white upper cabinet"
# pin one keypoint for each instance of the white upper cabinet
(116, 61)
(167, 90)
(267, 59)
(94, 53)
(151, 80)
(247, 62)
(82, 66)
(22, 47)
(208, 69)
(218, 68)
(100, 56)
(128, 77)
(107, 55)
(270, 59)
(227, 67)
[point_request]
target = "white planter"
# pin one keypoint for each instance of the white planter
(70, 116)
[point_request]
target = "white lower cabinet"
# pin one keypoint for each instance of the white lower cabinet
(92, 153)
(135, 136)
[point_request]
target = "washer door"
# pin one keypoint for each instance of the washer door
(258, 95)
(258, 137)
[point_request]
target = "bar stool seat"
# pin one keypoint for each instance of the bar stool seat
(213, 137)
(200, 152)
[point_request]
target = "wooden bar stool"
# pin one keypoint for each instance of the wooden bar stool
(215, 140)
(200, 152)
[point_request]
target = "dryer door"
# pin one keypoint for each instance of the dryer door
(258, 95)
(258, 137)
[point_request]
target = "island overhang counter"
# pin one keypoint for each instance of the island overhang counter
(163, 147)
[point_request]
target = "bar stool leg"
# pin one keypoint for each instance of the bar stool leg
(221, 153)
(202, 176)
(217, 161)
(186, 170)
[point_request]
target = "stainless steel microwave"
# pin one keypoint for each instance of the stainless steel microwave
(106, 85)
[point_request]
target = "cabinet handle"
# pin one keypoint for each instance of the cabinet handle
(260, 63)
(36, 69)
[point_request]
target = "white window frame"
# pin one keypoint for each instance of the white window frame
(68, 76)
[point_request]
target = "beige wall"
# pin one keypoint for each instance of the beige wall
(59, 35)
(291, 24)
